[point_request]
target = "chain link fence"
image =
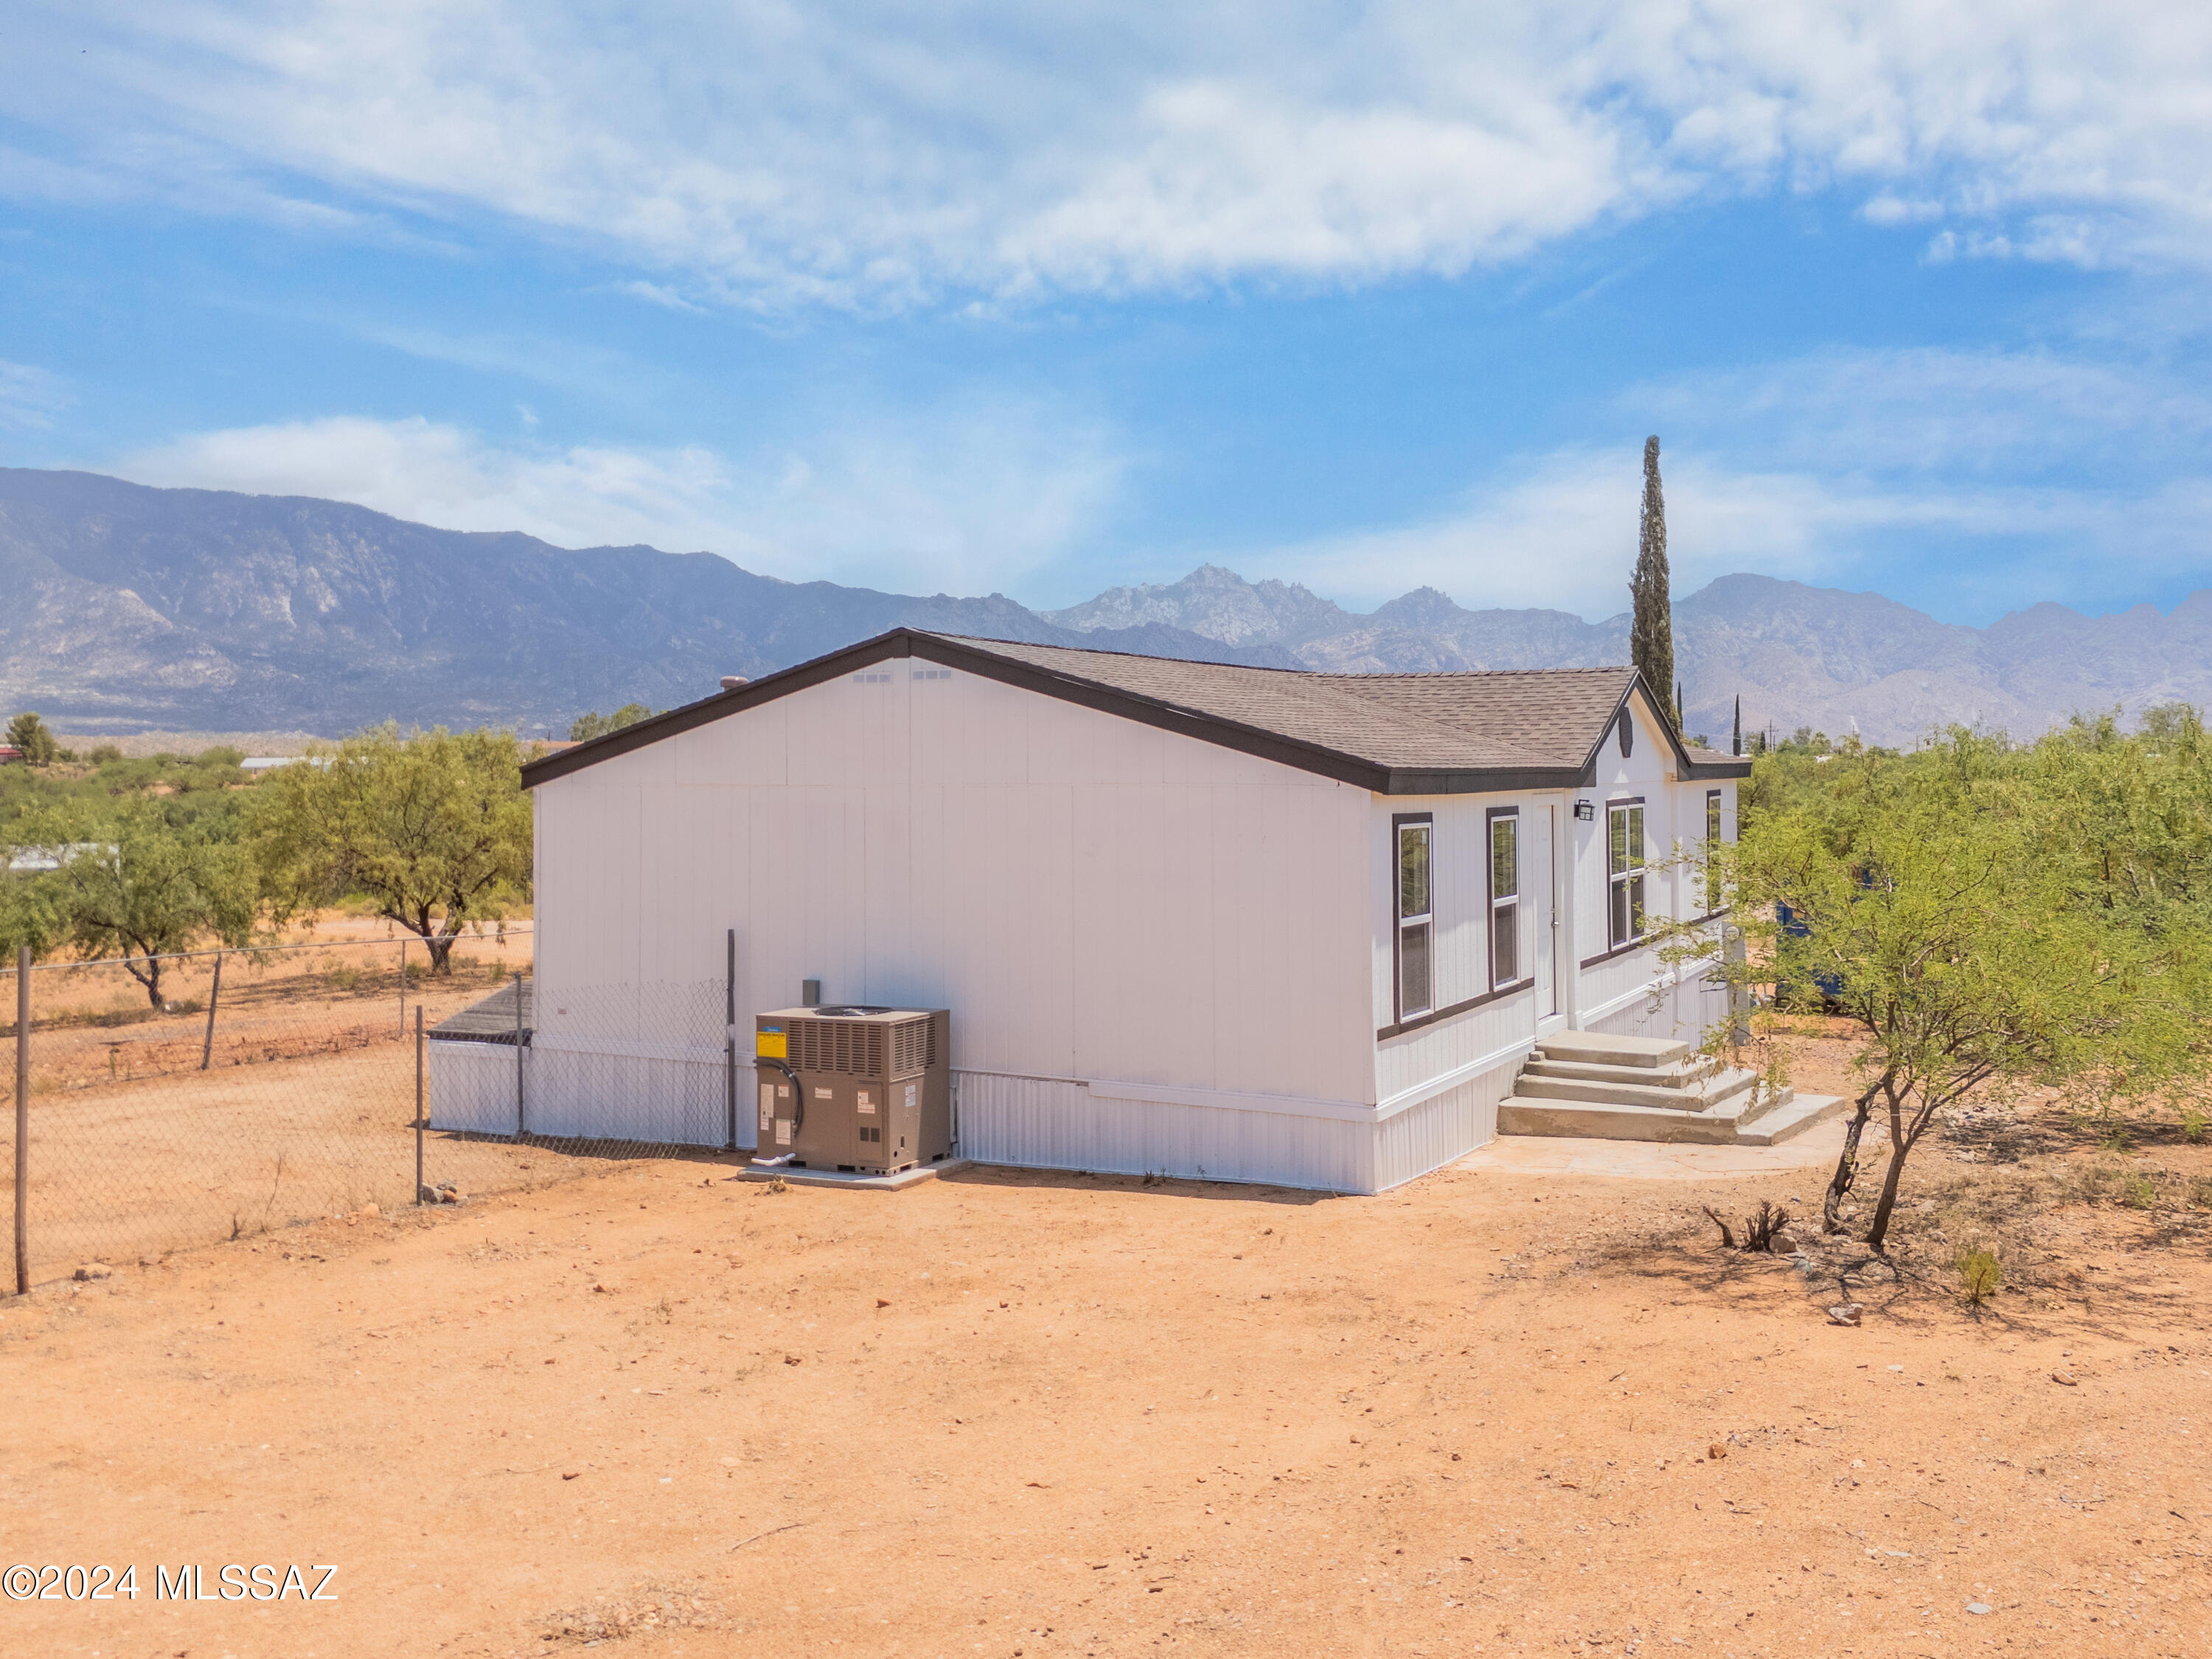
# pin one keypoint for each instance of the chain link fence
(178, 1101)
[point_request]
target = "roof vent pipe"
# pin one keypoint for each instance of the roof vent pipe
(731, 682)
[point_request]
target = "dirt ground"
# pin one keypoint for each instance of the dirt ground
(1523, 1406)
(303, 1110)
(93, 1026)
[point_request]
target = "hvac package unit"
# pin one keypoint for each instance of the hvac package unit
(868, 1089)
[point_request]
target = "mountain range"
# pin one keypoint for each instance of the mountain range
(131, 608)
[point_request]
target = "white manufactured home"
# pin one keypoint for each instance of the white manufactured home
(1238, 923)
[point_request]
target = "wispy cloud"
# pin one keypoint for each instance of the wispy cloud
(966, 500)
(2033, 475)
(655, 294)
(879, 154)
(29, 396)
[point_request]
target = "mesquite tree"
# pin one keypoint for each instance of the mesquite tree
(135, 887)
(433, 829)
(1977, 933)
(1650, 627)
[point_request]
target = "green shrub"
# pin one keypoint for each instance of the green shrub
(2139, 1193)
(2193, 1122)
(1981, 1275)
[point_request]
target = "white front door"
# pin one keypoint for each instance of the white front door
(1544, 862)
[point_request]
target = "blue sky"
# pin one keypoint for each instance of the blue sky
(1044, 298)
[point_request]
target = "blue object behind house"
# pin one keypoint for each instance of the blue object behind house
(1831, 986)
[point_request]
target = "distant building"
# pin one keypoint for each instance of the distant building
(31, 860)
(258, 765)
(9, 753)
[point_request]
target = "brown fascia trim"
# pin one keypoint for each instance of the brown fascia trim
(692, 715)
(1089, 694)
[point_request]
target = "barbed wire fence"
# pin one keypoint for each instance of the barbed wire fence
(177, 1101)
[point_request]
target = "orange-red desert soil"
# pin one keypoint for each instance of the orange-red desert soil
(1007, 1413)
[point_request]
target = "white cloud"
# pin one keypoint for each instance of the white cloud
(1890, 210)
(968, 501)
(880, 153)
(655, 293)
(1562, 535)
(1981, 476)
(28, 398)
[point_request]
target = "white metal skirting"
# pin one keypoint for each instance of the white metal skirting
(570, 1091)
(1029, 1122)
(1442, 1129)
(472, 1086)
(1058, 1123)
(1041, 1123)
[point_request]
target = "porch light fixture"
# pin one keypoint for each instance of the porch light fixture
(1585, 811)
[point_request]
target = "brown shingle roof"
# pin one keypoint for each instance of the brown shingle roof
(1393, 734)
(1507, 719)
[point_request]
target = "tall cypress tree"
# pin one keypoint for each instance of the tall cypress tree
(1735, 743)
(1650, 627)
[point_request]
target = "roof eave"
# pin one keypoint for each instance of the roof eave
(1312, 758)
(1483, 779)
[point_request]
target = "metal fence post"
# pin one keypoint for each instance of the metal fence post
(730, 1055)
(215, 994)
(419, 1114)
(402, 988)
(521, 1118)
(22, 1120)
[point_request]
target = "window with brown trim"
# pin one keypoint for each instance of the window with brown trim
(1504, 896)
(1416, 940)
(1624, 873)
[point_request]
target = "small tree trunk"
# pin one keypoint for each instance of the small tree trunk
(1900, 1146)
(441, 947)
(1847, 1165)
(151, 978)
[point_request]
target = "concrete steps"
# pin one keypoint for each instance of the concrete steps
(1618, 1088)
(1704, 1094)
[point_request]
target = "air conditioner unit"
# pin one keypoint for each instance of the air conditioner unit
(867, 1090)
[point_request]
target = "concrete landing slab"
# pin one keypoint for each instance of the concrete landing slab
(1602, 1048)
(1810, 1156)
(875, 1183)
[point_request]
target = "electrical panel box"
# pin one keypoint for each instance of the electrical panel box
(863, 1089)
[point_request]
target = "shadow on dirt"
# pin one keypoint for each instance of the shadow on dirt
(1002, 1174)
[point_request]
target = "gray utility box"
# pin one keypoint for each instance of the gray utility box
(868, 1089)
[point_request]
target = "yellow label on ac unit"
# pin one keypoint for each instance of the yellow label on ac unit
(768, 1044)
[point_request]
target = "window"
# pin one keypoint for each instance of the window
(1712, 850)
(1625, 870)
(1504, 897)
(1416, 917)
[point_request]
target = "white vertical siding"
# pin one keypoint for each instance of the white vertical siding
(1093, 899)
(1438, 1085)
(1633, 994)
